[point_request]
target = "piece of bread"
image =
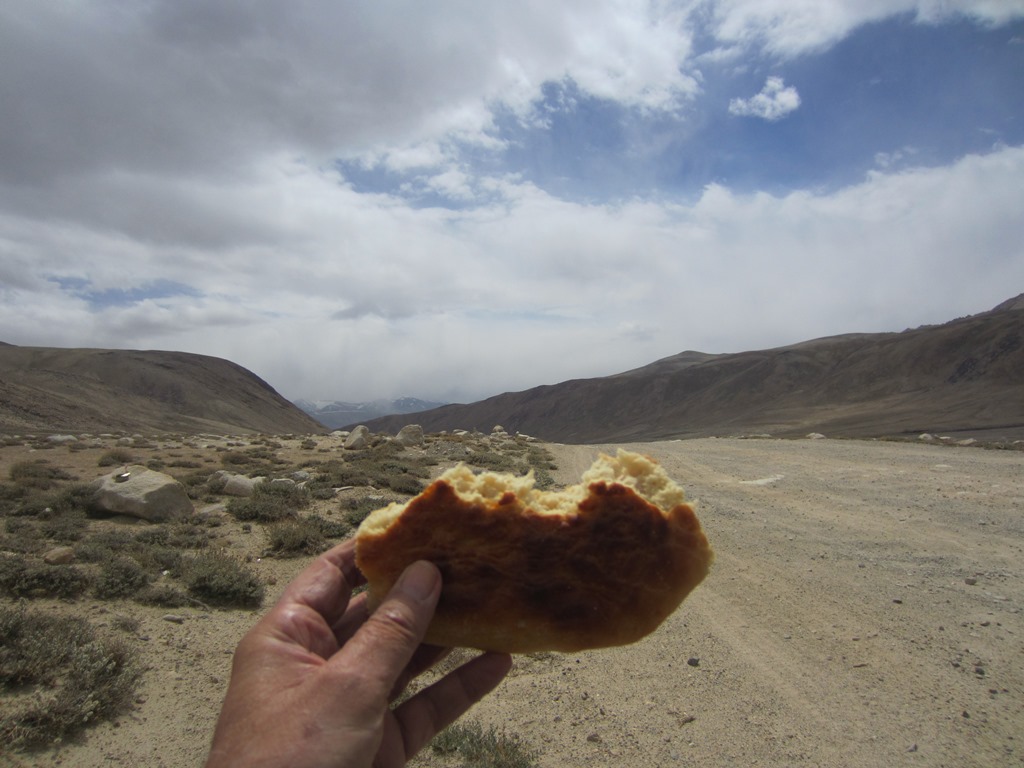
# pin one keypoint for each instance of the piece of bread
(597, 564)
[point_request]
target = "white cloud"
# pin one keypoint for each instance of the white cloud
(362, 296)
(790, 28)
(774, 102)
(193, 143)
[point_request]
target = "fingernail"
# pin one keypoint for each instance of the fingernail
(419, 580)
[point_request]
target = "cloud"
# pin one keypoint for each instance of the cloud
(225, 178)
(364, 296)
(774, 102)
(790, 28)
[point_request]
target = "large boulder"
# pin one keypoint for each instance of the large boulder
(410, 435)
(143, 493)
(358, 438)
(240, 485)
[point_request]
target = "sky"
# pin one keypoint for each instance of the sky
(454, 199)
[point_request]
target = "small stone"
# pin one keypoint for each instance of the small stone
(693, 661)
(970, 581)
(59, 556)
(912, 748)
(173, 618)
(594, 738)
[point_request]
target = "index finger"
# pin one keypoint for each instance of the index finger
(327, 583)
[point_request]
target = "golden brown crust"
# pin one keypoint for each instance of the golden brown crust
(606, 572)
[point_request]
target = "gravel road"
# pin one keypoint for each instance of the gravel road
(864, 610)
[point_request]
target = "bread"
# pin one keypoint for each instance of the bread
(598, 564)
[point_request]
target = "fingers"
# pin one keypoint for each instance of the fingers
(423, 658)
(431, 710)
(327, 583)
(384, 645)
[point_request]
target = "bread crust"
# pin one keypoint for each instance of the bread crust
(528, 571)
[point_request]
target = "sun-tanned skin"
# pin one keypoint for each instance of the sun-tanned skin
(311, 683)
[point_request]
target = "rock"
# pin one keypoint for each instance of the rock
(693, 661)
(240, 485)
(61, 439)
(173, 618)
(358, 439)
(283, 481)
(815, 436)
(143, 493)
(410, 435)
(217, 480)
(968, 441)
(594, 738)
(497, 429)
(59, 556)
(926, 436)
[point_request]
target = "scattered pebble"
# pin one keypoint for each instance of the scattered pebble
(693, 661)
(173, 618)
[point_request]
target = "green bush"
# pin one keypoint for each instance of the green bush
(58, 676)
(20, 577)
(37, 474)
(163, 595)
(270, 503)
(121, 577)
(296, 537)
(115, 457)
(219, 579)
(354, 511)
(483, 748)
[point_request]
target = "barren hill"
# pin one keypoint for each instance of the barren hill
(963, 376)
(101, 390)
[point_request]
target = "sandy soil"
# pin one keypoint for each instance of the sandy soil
(864, 610)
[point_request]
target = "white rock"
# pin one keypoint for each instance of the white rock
(358, 439)
(240, 485)
(410, 435)
(143, 493)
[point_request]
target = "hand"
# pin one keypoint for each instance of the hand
(312, 682)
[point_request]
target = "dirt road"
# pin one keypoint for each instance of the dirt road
(864, 610)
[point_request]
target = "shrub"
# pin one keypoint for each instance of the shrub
(354, 511)
(63, 676)
(121, 577)
(480, 748)
(163, 595)
(115, 457)
(20, 577)
(270, 503)
(296, 537)
(37, 474)
(219, 579)
(331, 529)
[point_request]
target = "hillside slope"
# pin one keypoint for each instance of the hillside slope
(101, 390)
(965, 375)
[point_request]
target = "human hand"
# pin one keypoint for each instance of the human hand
(311, 683)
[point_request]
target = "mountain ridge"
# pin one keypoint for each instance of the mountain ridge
(50, 389)
(965, 374)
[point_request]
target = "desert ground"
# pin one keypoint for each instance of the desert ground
(864, 610)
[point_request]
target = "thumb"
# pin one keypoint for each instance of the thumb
(384, 645)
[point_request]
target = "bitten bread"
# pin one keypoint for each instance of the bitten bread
(598, 564)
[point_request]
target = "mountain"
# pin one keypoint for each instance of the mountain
(964, 375)
(336, 414)
(102, 390)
